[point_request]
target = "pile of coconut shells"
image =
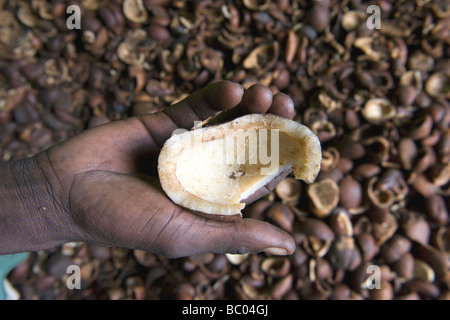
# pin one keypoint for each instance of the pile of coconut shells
(373, 225)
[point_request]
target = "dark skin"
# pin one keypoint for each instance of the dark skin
(95, 187)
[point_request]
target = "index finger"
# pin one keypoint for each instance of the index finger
(204, 103)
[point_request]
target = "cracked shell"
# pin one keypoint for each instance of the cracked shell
(213, 170)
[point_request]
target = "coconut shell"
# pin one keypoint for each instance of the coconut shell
(212, 170)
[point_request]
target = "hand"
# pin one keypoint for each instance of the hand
(100, 182)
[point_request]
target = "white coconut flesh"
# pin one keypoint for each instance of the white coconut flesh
(214, 169)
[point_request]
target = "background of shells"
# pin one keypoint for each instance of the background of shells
(378, 100)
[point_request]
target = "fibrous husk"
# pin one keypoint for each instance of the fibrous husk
(262, 58)
(134, 10)
(438, 84)
(213, 170)
(378, 110)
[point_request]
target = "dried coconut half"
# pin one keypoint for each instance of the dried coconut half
(213, 170)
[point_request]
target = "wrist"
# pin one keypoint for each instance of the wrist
(31, 216)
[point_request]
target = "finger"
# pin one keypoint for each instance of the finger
(256, 236)
(204, 103)
(256, 99)
(198, 106)
(248, 236)
(283, 106)
(189, 234)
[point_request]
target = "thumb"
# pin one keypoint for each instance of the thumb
(242, 236)
(251, 236)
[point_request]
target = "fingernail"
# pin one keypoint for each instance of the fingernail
(242, 88)
(276, 251)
